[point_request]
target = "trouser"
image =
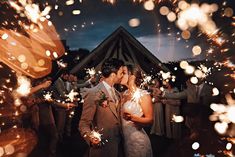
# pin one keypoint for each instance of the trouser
(48, 134)
(60, 119)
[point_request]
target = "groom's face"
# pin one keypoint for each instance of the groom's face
(119, 75)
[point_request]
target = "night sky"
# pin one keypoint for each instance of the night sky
(99, 19)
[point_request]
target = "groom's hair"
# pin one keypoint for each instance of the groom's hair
(111, 66)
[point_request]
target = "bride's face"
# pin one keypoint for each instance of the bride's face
(131, 80)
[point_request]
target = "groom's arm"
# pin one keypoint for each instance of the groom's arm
(88, 112)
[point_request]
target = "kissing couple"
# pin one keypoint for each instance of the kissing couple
(121, 116)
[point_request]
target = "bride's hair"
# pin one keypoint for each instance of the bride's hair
(135, 70)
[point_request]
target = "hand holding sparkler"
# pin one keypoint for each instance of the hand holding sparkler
(70, 105)
(95, 138)
(46, 84)
(94, 141)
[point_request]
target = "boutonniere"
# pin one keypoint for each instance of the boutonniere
(103, 99)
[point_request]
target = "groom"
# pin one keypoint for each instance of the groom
(101, 109)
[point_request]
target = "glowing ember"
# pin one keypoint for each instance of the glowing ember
(69, 2)
(215, 91)
(198, 73)
(178, 119)
(195, 145)
(194, 80)
(229, 146)
(228, 12)
(221, 127)
(17, 102)
(196, 50)
(135, 22)
(4, 36)
(189, 69)
(24, 86)
(185, 34)
(76, 12)
(9, 149)
(149, 5)
(184, 64)
(171, 16)
(164, 10)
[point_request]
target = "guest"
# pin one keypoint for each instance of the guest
(172, 108)
(158, 111)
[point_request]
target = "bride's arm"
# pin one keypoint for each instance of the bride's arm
(147, 107)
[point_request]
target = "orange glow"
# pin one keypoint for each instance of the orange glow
(26, 53)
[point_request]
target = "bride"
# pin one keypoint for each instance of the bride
(137, 112)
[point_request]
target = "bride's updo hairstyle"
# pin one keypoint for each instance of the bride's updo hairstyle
(134, 70)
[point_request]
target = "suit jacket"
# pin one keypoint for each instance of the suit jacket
(106, 118)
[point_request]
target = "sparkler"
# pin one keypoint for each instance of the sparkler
(97, 135)
(91, 72)
(178, 119)
(61, 64)
(71, 96)
(47, 96)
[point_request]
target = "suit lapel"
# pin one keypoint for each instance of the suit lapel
(112, 105)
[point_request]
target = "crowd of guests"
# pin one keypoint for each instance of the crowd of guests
(53, 113)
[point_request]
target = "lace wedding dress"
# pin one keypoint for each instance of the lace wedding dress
(137, 143)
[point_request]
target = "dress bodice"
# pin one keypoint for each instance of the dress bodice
(133, 106)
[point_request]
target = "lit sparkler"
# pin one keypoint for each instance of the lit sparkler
(72, 95)
(178, 119)
(91, 72)
(47, 96)
(61, 64)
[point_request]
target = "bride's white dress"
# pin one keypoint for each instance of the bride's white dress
(137, 143)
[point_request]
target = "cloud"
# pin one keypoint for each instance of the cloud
(167, 48)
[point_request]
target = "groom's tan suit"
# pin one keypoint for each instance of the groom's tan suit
(106, 118)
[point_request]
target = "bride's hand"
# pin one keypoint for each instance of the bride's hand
(127, 116)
